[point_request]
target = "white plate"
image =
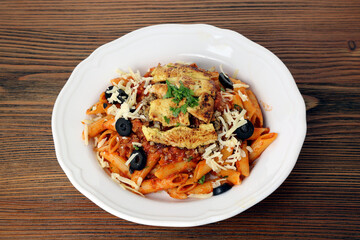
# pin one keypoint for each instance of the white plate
(207, 46)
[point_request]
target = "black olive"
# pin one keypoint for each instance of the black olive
(221, 189)
(132, 110)
(104, 105)
(225, 81)
(123, 127)
(121, 97)
(245, 131)
(139, 161)
(108, 95)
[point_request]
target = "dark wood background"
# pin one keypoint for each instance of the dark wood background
(42, 41)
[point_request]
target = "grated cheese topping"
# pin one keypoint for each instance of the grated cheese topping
(201, 196)
(242, 96)
(131, 158)
(117, 178)
(101, 143)
(249, 149)
(103, 163)
(131, 89)
(241, 85)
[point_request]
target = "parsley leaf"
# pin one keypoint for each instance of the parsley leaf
(190, 158)
(136, 147)
(201, 180)
(175, 111)
(167, 120)
(222, 89)
(177, 124)
(178, 94)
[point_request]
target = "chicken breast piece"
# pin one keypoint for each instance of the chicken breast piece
(162, 73)
(204, 110)
(183, 137)
(160, 111)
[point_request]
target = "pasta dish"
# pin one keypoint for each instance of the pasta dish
(179, 128)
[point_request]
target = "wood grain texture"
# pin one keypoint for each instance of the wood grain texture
(42, 41)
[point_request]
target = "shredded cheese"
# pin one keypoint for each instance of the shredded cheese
(242, 96)
(139, 181)
(221, 69)
(118, 178)
(131, 158)
(101, 143)
(217, 182)
(103, 163)
(240, 85)
(249, 149)
(201, 196)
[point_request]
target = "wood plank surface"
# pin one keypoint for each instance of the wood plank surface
(42, 41)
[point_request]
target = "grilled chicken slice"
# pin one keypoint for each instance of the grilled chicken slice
(171, 70)
(160, 111)
(183, 137)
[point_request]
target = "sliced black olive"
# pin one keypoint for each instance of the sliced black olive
(108, 95)
(225, 81)
(221, 189)
(123, 127)
(121, 97)
(245, 131)
(104, 105)
(132, 110)
(139, 161)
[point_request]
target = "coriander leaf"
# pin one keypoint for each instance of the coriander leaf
(167, 120)
(201, 180)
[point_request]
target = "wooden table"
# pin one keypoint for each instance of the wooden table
(42, 41)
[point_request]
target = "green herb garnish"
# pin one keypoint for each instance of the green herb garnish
(179, 93)
(175, 111)
(190, 158)
(136, 147)
(222, 89)
(202, 180)
(177, 124)
(167, 120)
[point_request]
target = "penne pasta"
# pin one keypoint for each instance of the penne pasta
(117, 162)
(260, 144)
(257, 117)
(231, 175)
(156, 184)
(204, 188)
(97, 127)
(153, 158)
(187, 186)
(243, 165)
(174, 194)
(258, 132)
(201, 169)
(172, 168)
